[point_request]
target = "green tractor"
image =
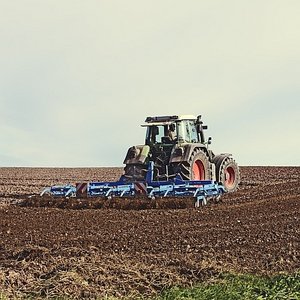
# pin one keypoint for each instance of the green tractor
(177, 146)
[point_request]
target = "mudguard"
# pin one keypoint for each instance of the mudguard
(183, 152)
(137, 155)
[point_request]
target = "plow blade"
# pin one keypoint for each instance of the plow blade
(60, 191)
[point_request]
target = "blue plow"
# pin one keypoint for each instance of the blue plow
(200, 190)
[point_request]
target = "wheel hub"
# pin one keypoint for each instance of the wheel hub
(229, 176)
(198, 170)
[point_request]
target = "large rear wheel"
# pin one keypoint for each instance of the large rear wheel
(196, 168)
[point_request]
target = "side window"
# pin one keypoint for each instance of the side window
(188, 132)
(155, 133)
(180, 132)
(193, 132)
(161, 133)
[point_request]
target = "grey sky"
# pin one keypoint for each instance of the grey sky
(77, 78)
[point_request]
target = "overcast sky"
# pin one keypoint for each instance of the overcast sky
(77, 78)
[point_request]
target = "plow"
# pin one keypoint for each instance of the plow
(200, 190)
(174, 162)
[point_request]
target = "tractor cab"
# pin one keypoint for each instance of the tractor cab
(172, 129)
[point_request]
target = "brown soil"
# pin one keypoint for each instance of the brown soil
(86, 253)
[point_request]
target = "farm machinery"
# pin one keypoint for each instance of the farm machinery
(174, 161)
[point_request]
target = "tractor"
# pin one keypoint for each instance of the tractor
(176, 146)
(175, 161)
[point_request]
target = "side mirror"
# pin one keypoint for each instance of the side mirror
(200, 127)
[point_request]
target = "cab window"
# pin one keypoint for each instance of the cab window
(193, 132)
(190, 132)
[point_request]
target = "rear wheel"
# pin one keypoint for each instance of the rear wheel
(196, 168)
(228, 174)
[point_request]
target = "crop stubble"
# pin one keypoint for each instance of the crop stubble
(49, 251)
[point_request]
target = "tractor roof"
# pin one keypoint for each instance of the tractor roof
(167, 119)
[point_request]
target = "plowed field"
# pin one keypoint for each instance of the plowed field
(81, 252)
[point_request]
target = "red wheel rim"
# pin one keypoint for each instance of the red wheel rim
(198, 170)
(229, 176)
